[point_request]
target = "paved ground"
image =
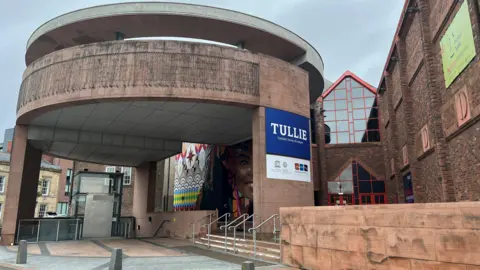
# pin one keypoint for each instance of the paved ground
(158, 253)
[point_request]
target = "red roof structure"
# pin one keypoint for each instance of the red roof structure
(350, 74)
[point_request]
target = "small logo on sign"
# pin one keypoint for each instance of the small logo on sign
(301, 167)
(285, 164)
(277, 164)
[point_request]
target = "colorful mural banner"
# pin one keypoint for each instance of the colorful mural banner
(191, 170)
(457, 45)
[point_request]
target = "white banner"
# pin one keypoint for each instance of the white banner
(288, 168)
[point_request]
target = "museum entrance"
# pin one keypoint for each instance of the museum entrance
(356, 185)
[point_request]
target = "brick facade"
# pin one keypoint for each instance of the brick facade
(441, 140)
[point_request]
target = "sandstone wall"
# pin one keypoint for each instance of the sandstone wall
(401, 236)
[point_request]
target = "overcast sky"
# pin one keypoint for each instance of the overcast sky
(350, 35)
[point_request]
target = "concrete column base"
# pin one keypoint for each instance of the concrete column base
(21, 195)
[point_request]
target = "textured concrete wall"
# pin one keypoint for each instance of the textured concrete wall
(402, 236)
(167, 70)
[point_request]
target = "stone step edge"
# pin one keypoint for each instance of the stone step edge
(261, 254)
(230, 243)
(243, 240)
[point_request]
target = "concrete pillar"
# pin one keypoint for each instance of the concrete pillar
(22, 184)
(271, 194)
(144, 198)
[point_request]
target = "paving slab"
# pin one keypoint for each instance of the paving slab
(82, 248)
(32, 248)
(137, 248)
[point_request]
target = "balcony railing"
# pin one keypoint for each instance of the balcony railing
(49, 229)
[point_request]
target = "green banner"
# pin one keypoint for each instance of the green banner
(457, 45)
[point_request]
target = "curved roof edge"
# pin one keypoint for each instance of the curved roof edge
(209, 12)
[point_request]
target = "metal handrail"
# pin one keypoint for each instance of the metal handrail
(235, 231)
(228, 225)
(193, 224)
(161, 225)
(209, 226)
(274, 216)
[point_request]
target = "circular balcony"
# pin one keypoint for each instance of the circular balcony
(89, 97)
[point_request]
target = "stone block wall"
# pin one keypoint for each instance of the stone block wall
(400, 236)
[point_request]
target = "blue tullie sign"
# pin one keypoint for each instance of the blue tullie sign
(287, 134)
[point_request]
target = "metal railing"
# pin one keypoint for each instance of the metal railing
(235, 231)
(193, 224)
(228, 225)
(209, 226)
(254, 229)
(124, 227)
(49, 229)
(161, 225)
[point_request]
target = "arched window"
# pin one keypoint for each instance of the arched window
(356, 185)
(351, 113)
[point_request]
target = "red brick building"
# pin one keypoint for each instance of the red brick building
(429, 100)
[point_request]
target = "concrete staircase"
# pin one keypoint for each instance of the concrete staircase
(267, 251)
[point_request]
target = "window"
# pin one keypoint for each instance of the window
(62, 208)
(127, 176)
(2, 184)
(1, 208)
(45, 186)
(42, 209)
(68, 182)
(109, 169)
(355, 185)
(351, 113)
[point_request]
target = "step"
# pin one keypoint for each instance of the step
(249, 253)
(249, 241)
(242, 245)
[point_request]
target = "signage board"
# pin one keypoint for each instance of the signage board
(287, 134)
(457, 45)
(288, 168)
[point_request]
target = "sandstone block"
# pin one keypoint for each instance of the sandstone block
(285, 234)
(374, 239)
(458, 246)
(431, 265)
(298, 235)
(399, 264)
(348, 260)
(286, 255)
(411, 243)
(471, 217)
(310, 258)
(297, 255)
(443, 218)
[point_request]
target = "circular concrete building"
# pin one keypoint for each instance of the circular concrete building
(90, 95)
